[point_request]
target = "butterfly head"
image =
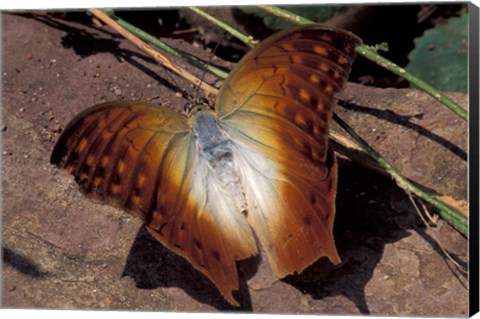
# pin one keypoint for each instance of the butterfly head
(192, 108)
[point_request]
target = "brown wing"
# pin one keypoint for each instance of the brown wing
(141, 157)
(278, 102)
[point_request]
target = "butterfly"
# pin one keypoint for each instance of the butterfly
(256, 170)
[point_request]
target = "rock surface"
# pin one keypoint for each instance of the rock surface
(64, 251)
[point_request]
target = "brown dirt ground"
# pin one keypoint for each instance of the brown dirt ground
(64, 251)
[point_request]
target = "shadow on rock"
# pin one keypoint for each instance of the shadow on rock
(365, 223)
(461, 275)
(89, 41)
(86, 39)
(21, 263)
(392, 117)
(152, 266)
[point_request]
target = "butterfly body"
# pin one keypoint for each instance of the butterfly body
(211, 141)
(258, 170)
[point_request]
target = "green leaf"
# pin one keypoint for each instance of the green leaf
(440, 56)
(315, 13)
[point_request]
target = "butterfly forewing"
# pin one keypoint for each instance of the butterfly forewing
(278, 102)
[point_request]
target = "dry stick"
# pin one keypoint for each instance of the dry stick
(153, 53)
(432, 218)
(148, 38)
(447, 254)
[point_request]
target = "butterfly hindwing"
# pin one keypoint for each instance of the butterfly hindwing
(141, 157)
(277, 102)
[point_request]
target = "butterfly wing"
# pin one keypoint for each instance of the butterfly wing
(141, 157)
(277, 104)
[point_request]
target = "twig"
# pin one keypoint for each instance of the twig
(432, 218)
(446, 253)
(366, 52)
(152, 52)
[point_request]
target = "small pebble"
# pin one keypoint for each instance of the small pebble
(56, 128)
(21, 109)
(118, 91)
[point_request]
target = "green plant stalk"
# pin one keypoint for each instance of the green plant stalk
(373, 56)
(248, 40)
(286, 15)
(163, 46)
(364, 51)
(447, 213)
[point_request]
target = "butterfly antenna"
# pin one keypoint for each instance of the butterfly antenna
(184, 93)
(197, 89)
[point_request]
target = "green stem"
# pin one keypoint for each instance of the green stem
(447, 213)
(373, 56)
(248, 40)
(286, 15)
(364, 51)
(163, 46)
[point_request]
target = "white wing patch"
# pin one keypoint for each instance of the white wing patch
(223, 205)
(253, 180)
(259, 177)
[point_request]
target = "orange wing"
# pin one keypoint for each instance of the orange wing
(278, 102)
(141, 157)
